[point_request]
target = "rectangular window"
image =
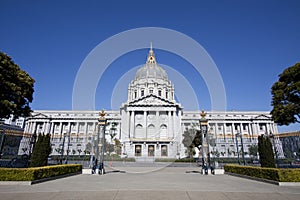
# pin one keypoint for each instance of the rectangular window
(228, 127)
(151, 91)
(142, 93)
(159, 92)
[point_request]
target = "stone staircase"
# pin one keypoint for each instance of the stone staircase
(145, 159)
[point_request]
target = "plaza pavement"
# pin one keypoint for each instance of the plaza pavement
(150, 183)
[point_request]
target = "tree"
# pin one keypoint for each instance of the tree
(192, 138)
(266, 153)
(88, 148)
(41, 151)
(253, 150)
(16, 89)
(286, 96)
(118, 146)
(79, 151)
(109, 147)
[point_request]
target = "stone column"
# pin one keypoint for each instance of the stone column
(169, 124)
(232, 129)
(27, 127)
(268, 128)
(48, 127)
(145, 123)
(174, 123)
(128, 123)
(44, 127)
(60, 128)
(34, 127)
(86, 128)
(157, 128)
(131, 134)
(224, 129)
(51, 128)
(69, 126)
(241, 128)
(257, 129)
(250, 129)
(77, 128)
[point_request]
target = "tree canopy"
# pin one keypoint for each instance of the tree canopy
(286, 96)
(192, 138)
(253, 150)
(16, 89)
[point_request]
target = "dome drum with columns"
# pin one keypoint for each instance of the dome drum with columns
(151, 79)
(152, 113)
(150, 124)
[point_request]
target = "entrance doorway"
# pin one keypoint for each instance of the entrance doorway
(138, 150)
(151, 150)
(164, 150)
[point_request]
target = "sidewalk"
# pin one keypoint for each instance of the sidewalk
(166, 183)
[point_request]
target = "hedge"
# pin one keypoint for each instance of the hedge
(165, 159)
(36, 173)
(275, 174)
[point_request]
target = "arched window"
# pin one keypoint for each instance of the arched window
(139, 126)
(151, 126)
(163, 131)
(151, 91)
(142, 92)
(135, 94)
(163, 126)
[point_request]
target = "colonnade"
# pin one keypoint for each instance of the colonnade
(139, 127)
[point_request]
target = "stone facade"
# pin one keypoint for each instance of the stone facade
(151, 123)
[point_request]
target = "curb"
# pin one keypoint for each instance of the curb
(37, 181)
(295, 184)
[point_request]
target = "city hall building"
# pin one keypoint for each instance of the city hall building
(150, 124)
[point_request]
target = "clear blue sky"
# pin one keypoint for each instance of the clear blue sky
(251, 42)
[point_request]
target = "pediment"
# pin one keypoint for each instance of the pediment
(262, 117)
(39, 115)
(151, 100)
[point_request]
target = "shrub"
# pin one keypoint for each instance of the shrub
(165, 159)
(185, 160)
(35, 173)
(41, 151)
(281, 175)
(266, 153)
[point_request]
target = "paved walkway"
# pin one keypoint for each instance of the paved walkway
(150, 183)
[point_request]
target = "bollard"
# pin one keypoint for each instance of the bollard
(206, 170)
(212, 170)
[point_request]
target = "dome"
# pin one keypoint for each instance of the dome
(151, 69)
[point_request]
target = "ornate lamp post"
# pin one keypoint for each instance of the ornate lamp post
(212, 141)
(2, 141)
(237, 147)
(32, 143)
(272, 137)
(101, 126)
(62, 149)
(68, 147)
(203, 129)
(243, 152)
